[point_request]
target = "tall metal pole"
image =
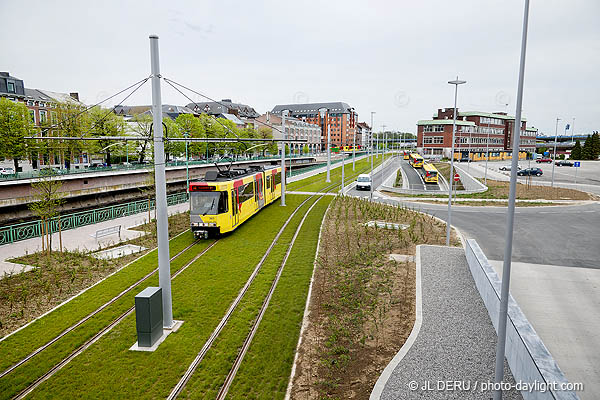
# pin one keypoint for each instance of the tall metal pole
(353, 146)
(328, 149)
(573, 131)
(554, 161)
(451, 178)
(162, 221)
(187, 167)
(510, 218)
(343, 167)
(487, 153)
(371, 145)
(383, 152)
(283, 115)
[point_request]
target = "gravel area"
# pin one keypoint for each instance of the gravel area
(457, 341)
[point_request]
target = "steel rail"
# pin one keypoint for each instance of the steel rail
(208, 344)
(105, 330)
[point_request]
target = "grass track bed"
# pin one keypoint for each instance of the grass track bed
(264, 373)
(317, 182)
(38, 365)
(201, 296)
(211, 373)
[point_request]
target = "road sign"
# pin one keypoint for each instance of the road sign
(456, 177)
(577, 164)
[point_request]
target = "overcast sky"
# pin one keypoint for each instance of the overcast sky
(391, 57)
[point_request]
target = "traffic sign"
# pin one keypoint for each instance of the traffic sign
(577, 164)
(456, 177)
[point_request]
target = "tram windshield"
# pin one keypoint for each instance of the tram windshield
(208, 203)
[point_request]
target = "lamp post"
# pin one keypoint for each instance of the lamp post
(554, 161)
(451, 178)
(383, 152)
(283, 115)
(371, 146)
(187, 165)
(323, 112)
(353, 142)
(510, 218)
(573, 131)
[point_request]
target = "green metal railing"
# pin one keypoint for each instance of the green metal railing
(28, 230)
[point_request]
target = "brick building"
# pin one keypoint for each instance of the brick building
(295, 129)
(340, 118)
(42, 111)
(475, 132)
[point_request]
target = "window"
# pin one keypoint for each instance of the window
(32, 116)
(11, 87)
(43, 116)
(246, 191)
(53, 117)
(211, 203)
(277, 179)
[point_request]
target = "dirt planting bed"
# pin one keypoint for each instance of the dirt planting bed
(362, 304)
(57, 276)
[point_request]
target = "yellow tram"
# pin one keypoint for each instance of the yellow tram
(415, 160)
(224, 199)
(430, 173)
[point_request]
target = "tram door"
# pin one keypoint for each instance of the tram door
(235, 207)
(260, 192)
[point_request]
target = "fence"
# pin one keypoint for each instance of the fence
(28, 230)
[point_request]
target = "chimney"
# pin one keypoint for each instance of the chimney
(75, 95)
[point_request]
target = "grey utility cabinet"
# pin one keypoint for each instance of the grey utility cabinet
(149, 316)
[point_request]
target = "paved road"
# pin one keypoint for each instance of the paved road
(415, 181)
(555, 275)
(388, 170)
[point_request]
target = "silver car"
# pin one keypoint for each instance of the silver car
(363, 182)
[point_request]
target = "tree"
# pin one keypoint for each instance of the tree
(48, 200)
(305, 149)
(172, 129)
(586, 152)
(70, 124)
(576, 152)
(264, 132)
(595, 146)
(193, 127)
(141, 124)
(105, 123)
(15, 124)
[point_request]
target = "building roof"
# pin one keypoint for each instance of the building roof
(170, 110)
(312, 108)
(47, 95)
(444, 122)
(490, 115)
(363, 125)
(223, 107)
(232, 118)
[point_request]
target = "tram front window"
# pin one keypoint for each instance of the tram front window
(208, 203)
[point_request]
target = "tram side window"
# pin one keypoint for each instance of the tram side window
(248, 192)
(277, 176)
(268, 182)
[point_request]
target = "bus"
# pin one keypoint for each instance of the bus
(430, 173)
(406, 155)
(415, 160)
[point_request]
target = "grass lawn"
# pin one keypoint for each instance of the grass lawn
(444, 169)
(201, 296)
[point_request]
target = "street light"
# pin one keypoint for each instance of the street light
(554, 161)
(187, 166)
(353, 141)
(451, 178)
(323, 112)
(283, 115)
(371, 146)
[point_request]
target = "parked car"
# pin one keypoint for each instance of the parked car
(564, 163)
(509, 167)
(543, 160)
(363, 182)
(530, 171)
(7, 171)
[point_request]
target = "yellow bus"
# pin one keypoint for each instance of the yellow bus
(406, 155)
(430, 173)
(415, 160)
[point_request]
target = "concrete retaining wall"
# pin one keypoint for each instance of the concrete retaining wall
(471, 184)
(528, 358)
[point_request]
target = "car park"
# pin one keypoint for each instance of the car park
(564, 163)
(363, 182)
(543, 160)
(530, 172)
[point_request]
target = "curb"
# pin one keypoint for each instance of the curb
(389, 369)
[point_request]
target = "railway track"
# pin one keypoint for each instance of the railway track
(104, 330)
(86, 318)
(208, 344)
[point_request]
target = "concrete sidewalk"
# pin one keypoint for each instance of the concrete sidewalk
(81, 238)
(455, 342)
